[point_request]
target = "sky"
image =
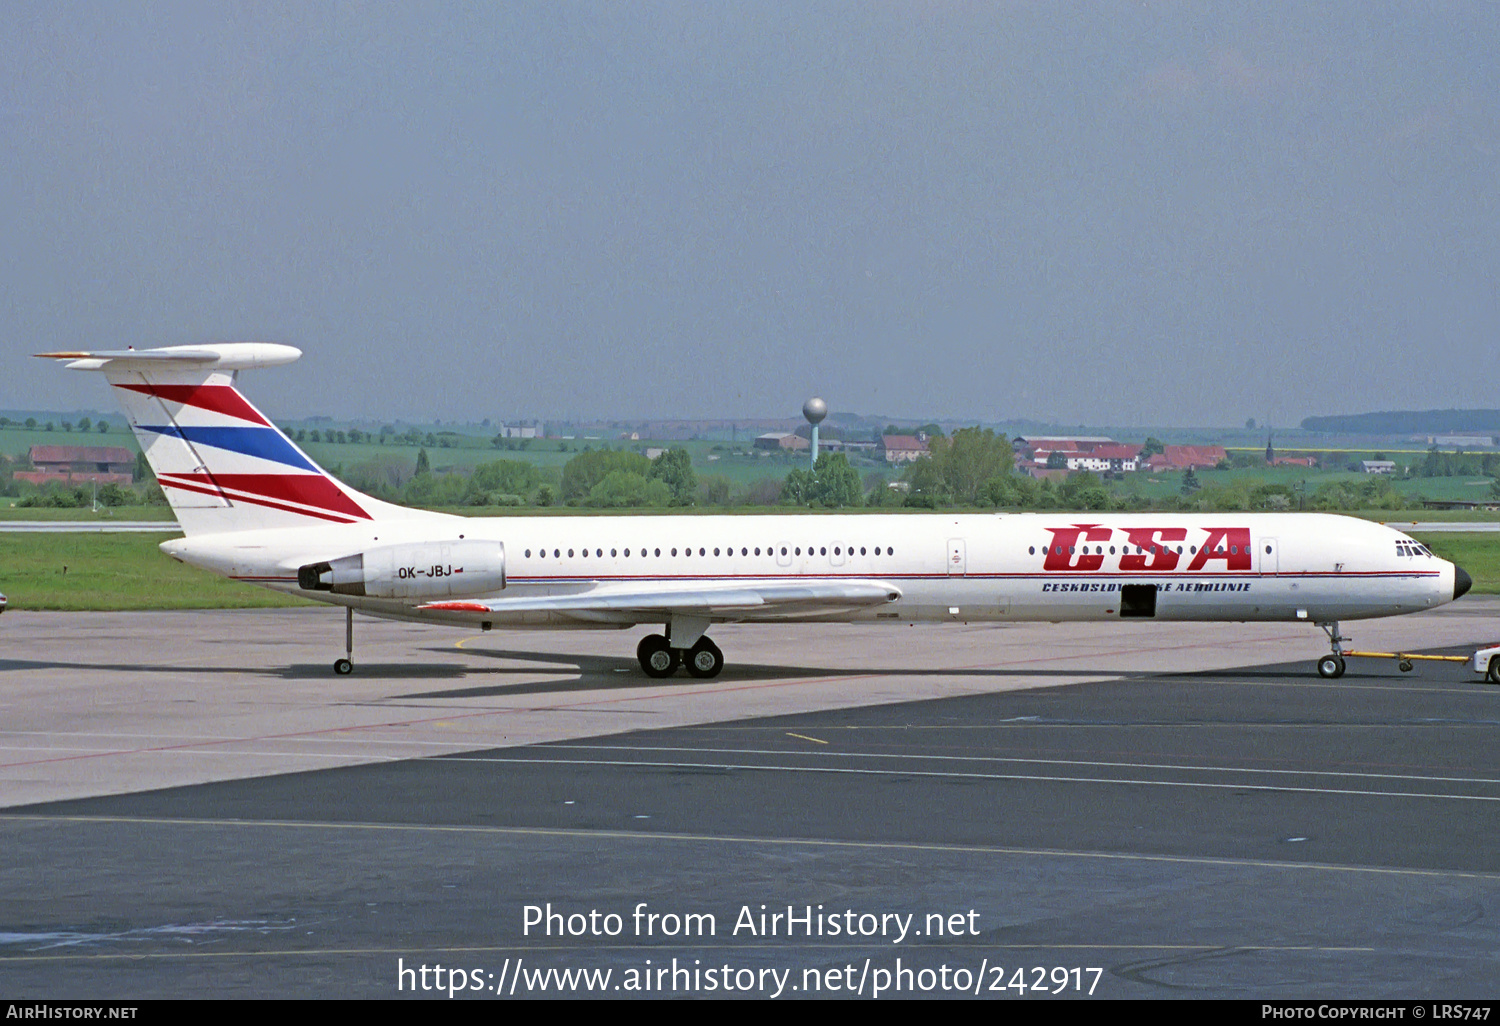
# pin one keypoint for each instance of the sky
(1148, 213)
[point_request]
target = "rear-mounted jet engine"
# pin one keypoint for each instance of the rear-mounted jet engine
(429, 571)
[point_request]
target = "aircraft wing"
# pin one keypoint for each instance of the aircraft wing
(704, 598)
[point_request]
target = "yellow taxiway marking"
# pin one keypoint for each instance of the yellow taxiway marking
(804, 737)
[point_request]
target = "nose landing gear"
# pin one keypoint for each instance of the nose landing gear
(1331, 666)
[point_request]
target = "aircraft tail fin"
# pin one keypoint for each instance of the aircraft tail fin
(222, 464)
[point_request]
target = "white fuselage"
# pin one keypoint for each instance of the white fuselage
(255, 507)
(958, 567)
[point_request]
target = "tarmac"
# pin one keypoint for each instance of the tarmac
(194, 805)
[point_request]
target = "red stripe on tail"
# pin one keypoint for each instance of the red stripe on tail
(217, 398)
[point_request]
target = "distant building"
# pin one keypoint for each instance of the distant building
(1488, 504)
(1106, 457)
(521, 430)
(902, 448)
(1069, 443)
(1294, 461)
(1461, 441)
(79, 464)
(1187, 457)
(781, 441)
(1100, 455)
(1378, 466)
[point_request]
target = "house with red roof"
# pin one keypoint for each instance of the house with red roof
(902, 448)
(79, 464)
(1186, 457)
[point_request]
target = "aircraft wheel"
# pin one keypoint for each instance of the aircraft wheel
(1404, 665)
(343, 667)
(1331, 666)
(704, 660)
(1493, 673)
(657, 658)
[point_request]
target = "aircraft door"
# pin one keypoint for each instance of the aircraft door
(1270, 556)
(957, 558)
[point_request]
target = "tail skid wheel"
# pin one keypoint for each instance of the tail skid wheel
(704, 660)
(1331, 667)
(343, 667)
(657, 658)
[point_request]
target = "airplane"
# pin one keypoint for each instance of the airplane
(254, 507)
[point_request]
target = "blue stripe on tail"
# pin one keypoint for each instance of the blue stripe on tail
(263, 443)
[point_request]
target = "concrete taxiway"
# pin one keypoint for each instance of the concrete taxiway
(196, 806)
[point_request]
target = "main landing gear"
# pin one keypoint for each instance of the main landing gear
(1331, 666)
(659, 659)
(345, 666)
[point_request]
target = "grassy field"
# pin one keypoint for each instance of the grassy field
(733, 461)
(114, 571)
(128, 571)
(1479, 554)
(10, 511)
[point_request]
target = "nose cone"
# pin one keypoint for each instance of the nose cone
(1462, 582)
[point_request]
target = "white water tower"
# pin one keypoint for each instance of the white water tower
(815, 410)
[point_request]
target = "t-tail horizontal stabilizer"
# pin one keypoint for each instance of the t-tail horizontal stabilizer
(221, 462)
